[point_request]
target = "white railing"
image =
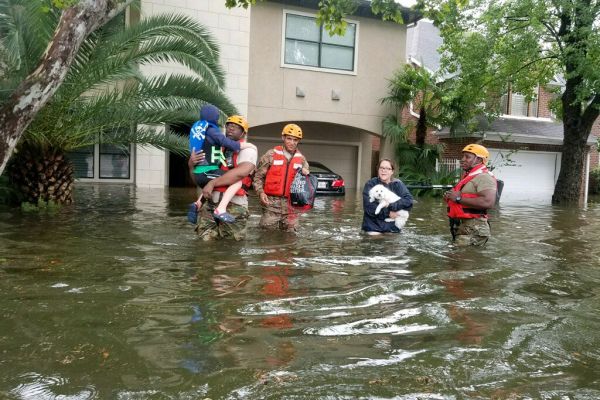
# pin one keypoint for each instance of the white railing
(447, 165)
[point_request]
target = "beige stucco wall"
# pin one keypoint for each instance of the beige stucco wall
(272, 88)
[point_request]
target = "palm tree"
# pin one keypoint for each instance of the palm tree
(105, 98)
(416, 86)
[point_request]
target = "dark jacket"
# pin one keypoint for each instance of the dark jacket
(376, 223)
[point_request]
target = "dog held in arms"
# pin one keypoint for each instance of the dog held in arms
(385, 197)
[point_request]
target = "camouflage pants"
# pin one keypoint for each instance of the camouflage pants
(209, 229)
(279, 215)
(472, 232)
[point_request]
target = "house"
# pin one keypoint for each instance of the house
(525, 142)
(280, 68)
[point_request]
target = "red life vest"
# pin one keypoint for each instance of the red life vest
(456, 210)
(281, 173)
(246, 182)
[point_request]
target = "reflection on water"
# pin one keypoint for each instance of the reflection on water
(116, 298)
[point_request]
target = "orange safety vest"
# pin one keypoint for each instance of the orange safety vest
(456, 210)
(281, 173)
(246, 182)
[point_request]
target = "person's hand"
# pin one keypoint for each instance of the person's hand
(264, 199)
(393, 214)
(305, 171)
(196, 158)
(208, 189)
(451, 195)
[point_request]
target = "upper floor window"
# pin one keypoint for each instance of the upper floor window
(516, 104)
(310, 45)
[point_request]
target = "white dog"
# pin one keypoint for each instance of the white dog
(385, 197)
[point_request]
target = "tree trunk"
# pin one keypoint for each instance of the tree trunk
(421, 129)
(577, 128)
(75, 24)
(42, 175)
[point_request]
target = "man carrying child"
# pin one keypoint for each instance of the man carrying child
(240, 166)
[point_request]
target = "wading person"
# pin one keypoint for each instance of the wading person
(274, 176)
(376, 224)
(206, 135)
(470, 199)
(240, 166)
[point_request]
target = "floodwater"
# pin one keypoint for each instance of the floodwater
(116, 298)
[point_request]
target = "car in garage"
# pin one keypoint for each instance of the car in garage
(328, 182)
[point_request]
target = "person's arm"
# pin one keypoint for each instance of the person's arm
(368, 206)
(486, 195)
(260, 176)
(196, 157)
(228, 178)
(217, 138)
(485, 199)
(406, 199)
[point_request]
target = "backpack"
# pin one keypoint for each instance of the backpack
(198, 134)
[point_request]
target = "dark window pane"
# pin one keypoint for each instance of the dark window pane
(114, 162)
(83, 162)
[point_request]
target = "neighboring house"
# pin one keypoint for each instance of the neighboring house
(527, 133)
(281, 67)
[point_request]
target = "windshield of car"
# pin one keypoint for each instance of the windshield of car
(319, 168)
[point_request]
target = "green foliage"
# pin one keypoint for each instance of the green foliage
(41, 206)
(105, 97)
(417, 165)
(594, 184)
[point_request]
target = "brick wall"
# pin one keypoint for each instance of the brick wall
(408, 118)
(544, 98)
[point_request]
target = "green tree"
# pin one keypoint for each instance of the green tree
(527, 43)
(104, 98)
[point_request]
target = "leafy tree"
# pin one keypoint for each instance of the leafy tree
(104, 97)
(526, 43)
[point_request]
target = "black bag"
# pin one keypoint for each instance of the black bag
(302, 190)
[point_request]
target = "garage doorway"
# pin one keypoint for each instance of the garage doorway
(529, 176)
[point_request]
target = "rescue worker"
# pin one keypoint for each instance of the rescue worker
(274, 175)
(470, 199)
(240, 166)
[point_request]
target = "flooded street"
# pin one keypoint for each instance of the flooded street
(116, 298)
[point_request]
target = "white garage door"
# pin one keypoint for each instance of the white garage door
(341, 159)
(528, 175)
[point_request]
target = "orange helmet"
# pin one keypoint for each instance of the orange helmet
(292, 130)
(238, 120)
(478, 150)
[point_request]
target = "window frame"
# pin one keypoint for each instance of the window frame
(320, 43)
(505, 112)
(96, 168)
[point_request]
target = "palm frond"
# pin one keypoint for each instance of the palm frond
(394, 130)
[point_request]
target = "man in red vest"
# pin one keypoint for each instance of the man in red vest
(240, 166)
(470, 199)
(274, 175)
